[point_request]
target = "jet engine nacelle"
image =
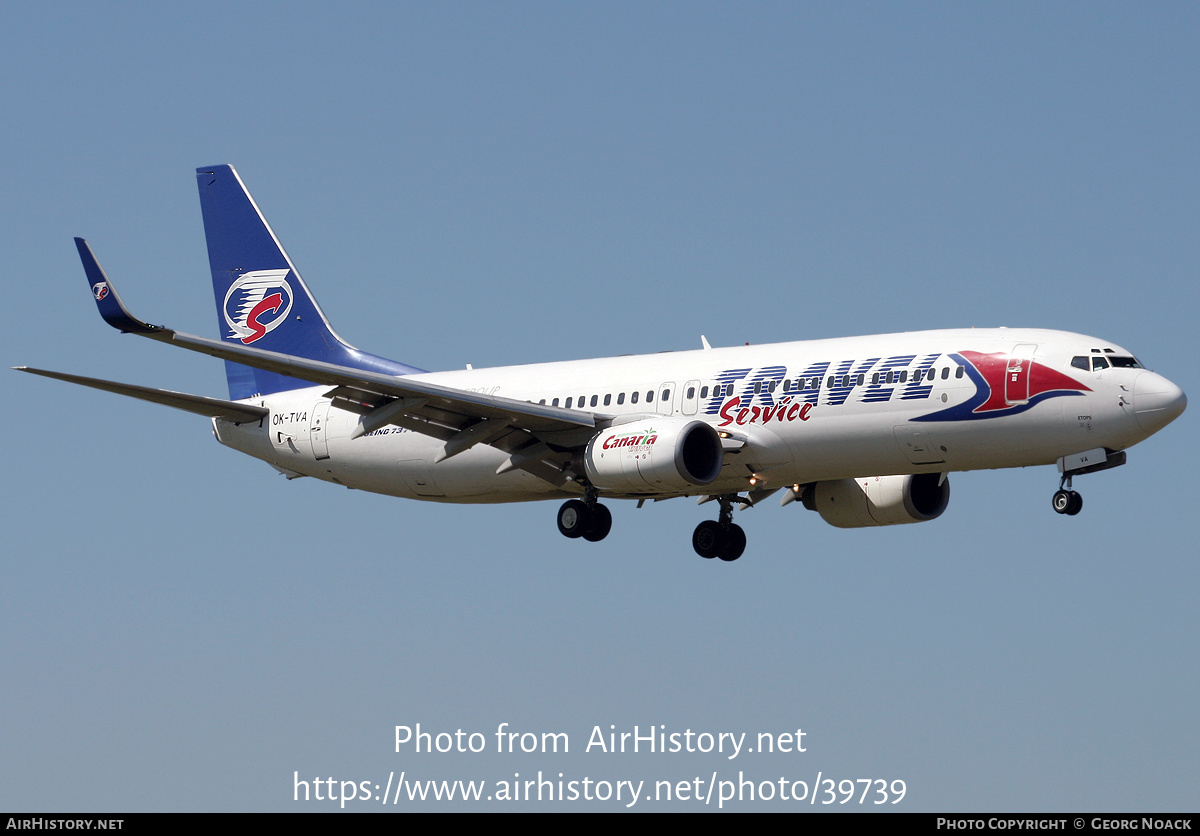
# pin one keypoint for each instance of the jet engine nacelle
(880, 500)
(656, 454)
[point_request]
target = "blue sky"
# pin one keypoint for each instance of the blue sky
(497, 184)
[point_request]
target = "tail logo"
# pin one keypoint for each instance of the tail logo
(256, 304)
(100, 290)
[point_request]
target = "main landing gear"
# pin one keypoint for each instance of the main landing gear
(721, 537)
(1067, 501)
(584, 518)
(592, 521)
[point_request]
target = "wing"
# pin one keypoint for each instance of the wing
(212, 407)
(537, 437)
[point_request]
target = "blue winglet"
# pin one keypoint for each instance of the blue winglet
(111, 307)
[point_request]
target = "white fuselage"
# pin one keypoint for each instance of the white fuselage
(921, 402)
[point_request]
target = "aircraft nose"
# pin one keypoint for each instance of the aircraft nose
(1156, 401)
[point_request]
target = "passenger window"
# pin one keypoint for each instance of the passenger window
(945, 372)
(650, 396)
(891, 377)
(542, 401)
(860, 380)
(666, 395)
(634, 397)
(568, 403)
(904, 376)
(620, 399)
(757, 387)
(594, 398)
(917, 376)
(958, 372)
(830, 382)
(691, 393)
(771, 386)
(554, 402)
(607, 400)
(787, 386)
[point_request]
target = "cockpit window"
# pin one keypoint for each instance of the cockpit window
(1125, 362)
(1097, 362)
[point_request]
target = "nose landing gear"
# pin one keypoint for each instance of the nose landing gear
(722, 537)
(1067, 501)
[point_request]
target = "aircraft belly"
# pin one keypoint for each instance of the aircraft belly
(250, 439)
(866, 443)
(403, 463)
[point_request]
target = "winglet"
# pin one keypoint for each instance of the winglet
(111, 307)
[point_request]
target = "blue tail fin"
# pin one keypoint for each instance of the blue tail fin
(261, 299)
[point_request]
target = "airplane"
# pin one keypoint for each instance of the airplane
(862, 430)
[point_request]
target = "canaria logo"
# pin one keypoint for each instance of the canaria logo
(637, 439)
(100, 290)
(256, 304)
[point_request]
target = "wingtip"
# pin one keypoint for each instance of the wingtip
(111, 308)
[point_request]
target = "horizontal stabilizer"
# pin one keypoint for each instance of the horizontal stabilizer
(212, 407)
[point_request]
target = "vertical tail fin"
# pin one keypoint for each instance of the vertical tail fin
(261, 299)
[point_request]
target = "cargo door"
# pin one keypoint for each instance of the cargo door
(318, 430)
